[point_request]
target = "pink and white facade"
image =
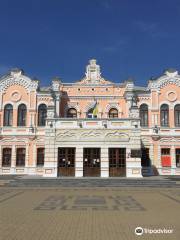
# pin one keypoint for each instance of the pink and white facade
(92, 127)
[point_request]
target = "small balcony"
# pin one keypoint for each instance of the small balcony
(94, 123)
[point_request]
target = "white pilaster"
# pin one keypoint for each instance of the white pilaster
(79, 162)
(133, 165)
(13, 157)
(104, 162)
(159, 164)
(173, 160)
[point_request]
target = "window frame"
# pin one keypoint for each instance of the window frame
(164, 115)
(42, 115)
(40, 156)
(71, 115)
(7, 155)
(144, 115)
(113, 115)
(8, 115)
(22, 115)
(177, 115)
(20, 157)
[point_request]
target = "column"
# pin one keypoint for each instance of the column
(104, 162)
(13, 159)
(133, 164)
(57, 97)
(159, 165)
(51, 151)
(79, 162)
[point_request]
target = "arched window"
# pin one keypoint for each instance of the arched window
(144, 115)
(22, 112)
(8, 115)
(113, 113)
(42, 114)
(177, 115)
(72, 113)
(164, 115)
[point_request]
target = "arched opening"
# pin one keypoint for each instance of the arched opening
(22, 112)
(8, 115)
(144, 115)
(164, 115)
(72, 113)
(177, 115)
(42, 114)
(113, 113)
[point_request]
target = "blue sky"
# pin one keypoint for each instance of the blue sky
(129, 38)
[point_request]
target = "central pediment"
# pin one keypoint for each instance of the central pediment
(93, 75)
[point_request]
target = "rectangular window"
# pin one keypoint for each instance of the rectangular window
(178, 157)
(165, 157)
(40, 156)
(6, 158)
(20, 157)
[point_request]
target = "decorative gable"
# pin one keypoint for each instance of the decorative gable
(17, 77)
(93, 75)
(170, 76)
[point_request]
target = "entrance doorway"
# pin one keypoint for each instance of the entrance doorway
(66, 161)
(91, 162)
(117, 162)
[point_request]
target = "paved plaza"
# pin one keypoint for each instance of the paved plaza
(86, 209)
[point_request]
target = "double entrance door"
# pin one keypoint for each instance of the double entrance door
(117, 162)
(66, 161)
(91, 162)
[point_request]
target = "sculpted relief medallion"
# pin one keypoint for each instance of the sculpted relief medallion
(15, 96)
(171, 96)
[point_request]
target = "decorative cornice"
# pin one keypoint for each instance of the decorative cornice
(18, 79)
(164, 81)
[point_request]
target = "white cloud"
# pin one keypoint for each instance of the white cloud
(150, 28)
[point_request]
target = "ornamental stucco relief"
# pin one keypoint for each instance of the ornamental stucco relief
(164, 81)
(171, 96)
(172, 139)
(89, 135)
(16, 96)
(24, 81)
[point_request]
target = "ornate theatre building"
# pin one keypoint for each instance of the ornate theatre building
(92, 127)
